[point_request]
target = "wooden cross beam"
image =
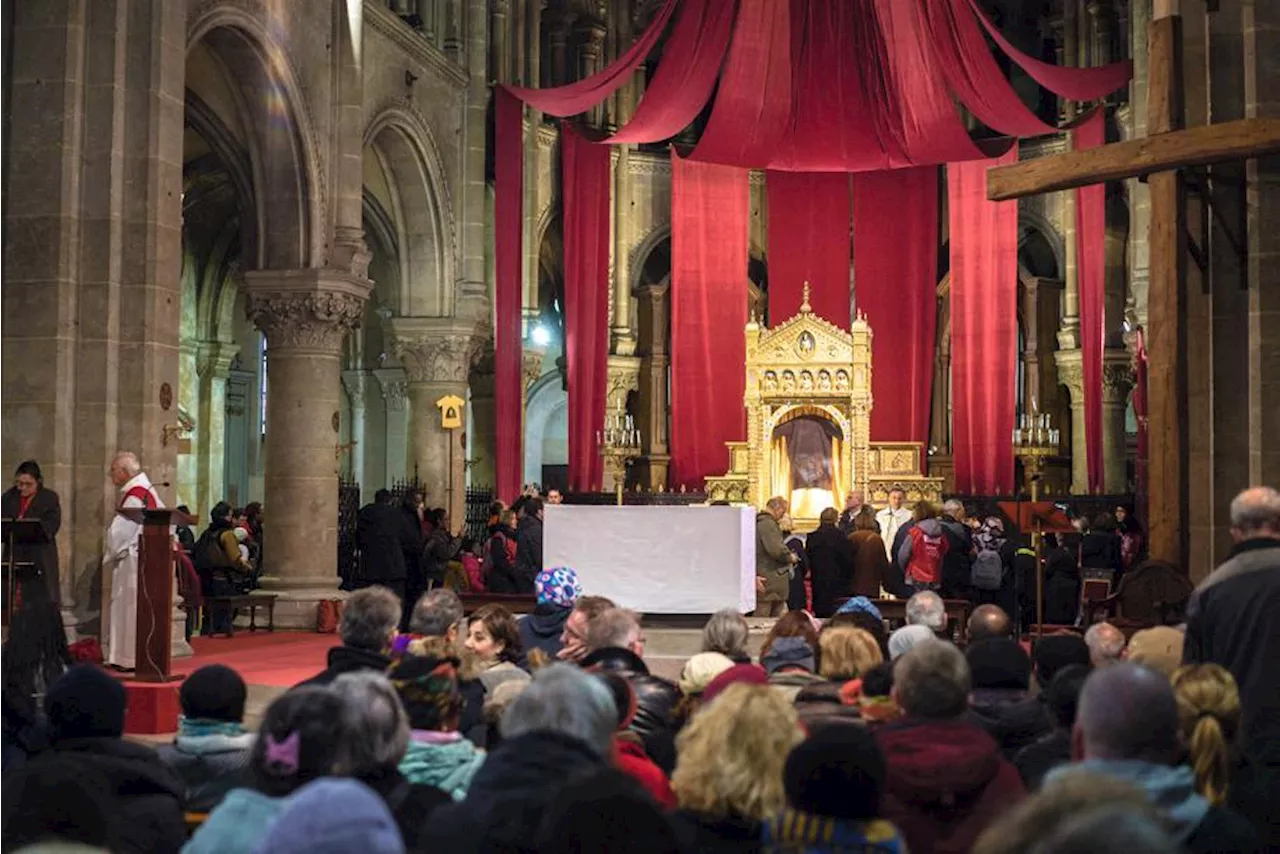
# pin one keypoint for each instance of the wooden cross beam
(1167, 149)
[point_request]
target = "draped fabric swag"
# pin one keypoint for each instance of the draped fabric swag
(508, 360)
(984, 329)
(1091, 266)
(809, 242)
(826, 86)
(585, 175)
(710, 208)
(895, 261)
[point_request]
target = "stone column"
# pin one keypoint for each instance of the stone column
(304, 314)
(484, 424)
(213, 366)
(437, 362)
(624, 339)
(357, 385)
(1117, 381)
(395, 397)
(1071, 375)
(499, 54)
(591, 33)
(654, 318)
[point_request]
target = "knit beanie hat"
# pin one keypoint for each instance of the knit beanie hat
(837, 772)
(750, 674)
(788, 652)
(557, 586)
(903, 639)
(999, 663)
(860, 603)
(1054, 652)
(701, 669)
(333, 816)
(215, 692)
(428, 690)
(1159, 648)
(85, 702)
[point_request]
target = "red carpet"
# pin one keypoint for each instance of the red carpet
(278, 659)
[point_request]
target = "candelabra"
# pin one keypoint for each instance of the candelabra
(1035, 439)
(619, 444)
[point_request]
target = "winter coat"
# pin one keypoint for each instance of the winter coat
(499, 672)
(239, 823)
(871, 568)
(209, 765)
(501, 565)
(42, 552)
(831, 562)
(630, 759)
(409, 803)
(773, 560)
(348, 659)
(542, 630)
(1041, 756)
(411, 541)
(958, 564)
(509, 796)
(1197, 826)
(1011, 717)
(528, 553)
(446, 765)
(790, 683)
(379, 528)
(656, 700)
(708, 834)
(438, 549)
(822, 703)
(148, 797)
(795, 832)
(945, 783)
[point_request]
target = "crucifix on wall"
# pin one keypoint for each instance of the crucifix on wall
(1159, 156)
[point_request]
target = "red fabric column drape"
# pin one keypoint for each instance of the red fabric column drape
(710, 207)
(984, 328)
(584, 167)
(895, 261)
(508, 205)
(1091, 236)
(808, 241)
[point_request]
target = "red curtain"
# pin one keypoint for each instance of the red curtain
(508, 202)
(808, 242)
(895, 261)
(710, 208)
(1091, 236)
(984, 328)
(585, 177)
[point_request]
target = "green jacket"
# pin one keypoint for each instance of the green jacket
(773, 559)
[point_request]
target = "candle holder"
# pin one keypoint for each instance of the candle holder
(1035, 439)
(619, 444)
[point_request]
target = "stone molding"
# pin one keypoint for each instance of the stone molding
(531, 368)
(435, 358)
(214, 358)
(387, 23)
(394, 387)
(1118, 376)
(305, 309)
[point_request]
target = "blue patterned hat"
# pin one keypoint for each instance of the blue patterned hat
(860, 603)
(557, 586)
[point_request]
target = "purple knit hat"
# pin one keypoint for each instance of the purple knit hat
(557, 586)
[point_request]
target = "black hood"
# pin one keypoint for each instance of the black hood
(1011, 717)
(132, 769)
(547, 621)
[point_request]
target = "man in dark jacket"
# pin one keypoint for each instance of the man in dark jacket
(958, 563)
(379, 532)
(85, 709)
(1233, 619)
(1127, 728)
(1061, 698)
(946, 778)
(529, 545)
(831, 556)
(369, 620)
(1000, 702)
(559, 729)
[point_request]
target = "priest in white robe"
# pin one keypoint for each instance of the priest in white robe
(121, 559)
(892, 518)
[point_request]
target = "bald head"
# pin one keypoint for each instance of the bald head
(989, 621)
(1256, 513)
(1106, 644)
(1127, 712)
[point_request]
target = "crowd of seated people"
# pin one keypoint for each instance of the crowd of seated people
(454, 738)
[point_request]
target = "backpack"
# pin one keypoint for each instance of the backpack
(927, 554)
(987, 572)
(208, 553)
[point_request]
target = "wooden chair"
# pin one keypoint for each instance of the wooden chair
(1154, 593)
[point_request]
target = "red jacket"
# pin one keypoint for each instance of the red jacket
(946, 782)
(630, 759)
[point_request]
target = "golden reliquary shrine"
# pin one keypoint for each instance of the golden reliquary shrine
(808, 400)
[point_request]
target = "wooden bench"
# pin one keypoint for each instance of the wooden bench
(229, 604)
(894, 612)
(516, 603)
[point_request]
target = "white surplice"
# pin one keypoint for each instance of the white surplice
(891, 521)
(121, 557)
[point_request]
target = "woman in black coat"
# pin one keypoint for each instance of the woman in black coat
(32, 544)
(412, 508)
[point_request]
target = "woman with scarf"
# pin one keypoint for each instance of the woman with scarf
(211, 751)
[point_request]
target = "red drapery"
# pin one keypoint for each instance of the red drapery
(508, 393)
(984, 328)
(585, 174)
(895, 260)
(709, 218)
(808, 242)
(1091, 235)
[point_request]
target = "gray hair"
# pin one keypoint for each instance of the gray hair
(726, 632)
(926, 608)
(616, 627)
(562, 699)
(1106, 643)
(932, 681)
(1128, 712)
(437, 612)
(952, 507)
(373, 713)
(1256, 510)
(128, 461)
(907, 638)
(777, 504)
(369, 616)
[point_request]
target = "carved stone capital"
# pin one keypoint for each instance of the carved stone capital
(1118, 378)
(1071, 374)
(305, 309)
(357, 384)
(435, 358)
(531, 367)
(214, 358)
(394, 386)
(623, 378)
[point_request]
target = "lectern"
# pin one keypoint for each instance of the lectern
(155, 595)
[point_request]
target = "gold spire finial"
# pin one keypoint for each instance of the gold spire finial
(805, 308)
